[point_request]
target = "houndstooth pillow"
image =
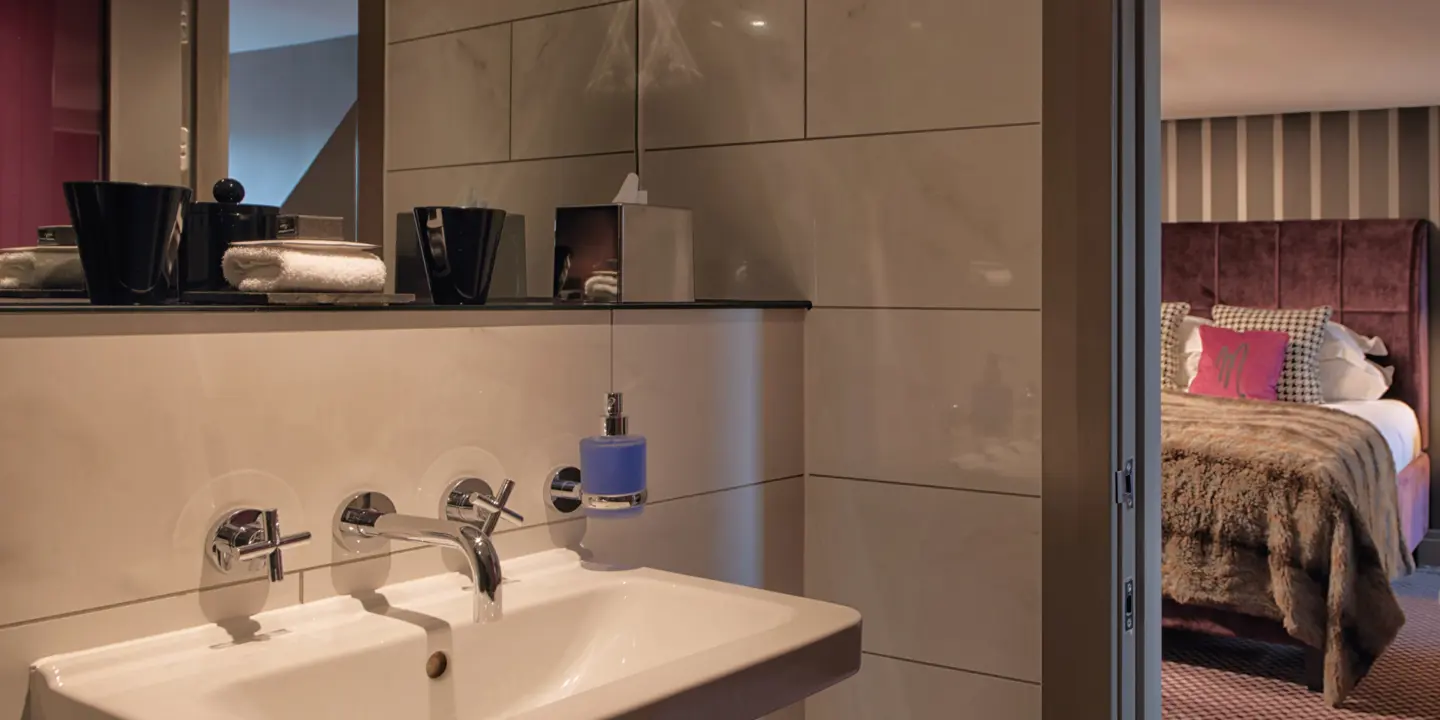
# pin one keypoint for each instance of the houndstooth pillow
(1171, 314)
(1300, 378)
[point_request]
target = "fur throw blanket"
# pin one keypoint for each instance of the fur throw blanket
(1287, 512)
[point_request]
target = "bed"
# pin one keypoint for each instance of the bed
(1373, 273)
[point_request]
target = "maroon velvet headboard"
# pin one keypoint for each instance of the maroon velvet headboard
(1372, 272)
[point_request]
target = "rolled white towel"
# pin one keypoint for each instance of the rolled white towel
(31, 270)
(270, 269)
(602, 286)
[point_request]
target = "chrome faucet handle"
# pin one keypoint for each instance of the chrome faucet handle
(252, 536)
(470, 500)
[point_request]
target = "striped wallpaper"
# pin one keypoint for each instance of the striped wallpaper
(1303, 166)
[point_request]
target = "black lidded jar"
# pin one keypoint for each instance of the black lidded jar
(210, 227)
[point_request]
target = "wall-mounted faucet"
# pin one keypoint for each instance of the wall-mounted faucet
(252, 536)
(470, 500)
(468, 514)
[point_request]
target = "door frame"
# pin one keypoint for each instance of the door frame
(1100, 360)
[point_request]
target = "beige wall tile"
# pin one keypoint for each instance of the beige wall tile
(575, 83)
(722, 71)
(752, 535)
(22, 645)
(718, 395)
(754, 217)
(934, 220)
(417, 18)
(892, 65)
(947, 577)
(937, 397)
(449, 100)
(899, 690)
(533, 188)
(178, 428)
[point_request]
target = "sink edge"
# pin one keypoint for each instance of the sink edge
(817, 647)
(782, 680)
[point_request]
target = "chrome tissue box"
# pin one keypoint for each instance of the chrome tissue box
(624, 253)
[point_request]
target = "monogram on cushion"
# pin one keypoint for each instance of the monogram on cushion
(1300, 378)
(1240, 364)
(1171, 313)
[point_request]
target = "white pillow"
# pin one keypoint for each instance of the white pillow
(1372, 346)
(1341, 379)
(1342, 342)
(1191, 347)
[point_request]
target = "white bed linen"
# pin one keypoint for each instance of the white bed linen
(1396, 422)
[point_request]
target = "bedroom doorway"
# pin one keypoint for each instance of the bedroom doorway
(1298, 193)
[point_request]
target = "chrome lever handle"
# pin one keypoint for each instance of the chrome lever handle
(251, 536)
(469, 500)
(497, 507)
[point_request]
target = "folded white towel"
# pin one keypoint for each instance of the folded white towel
(30, 270)
(270, 269)
(602, 287)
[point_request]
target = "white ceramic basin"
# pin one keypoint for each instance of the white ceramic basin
(576, 641)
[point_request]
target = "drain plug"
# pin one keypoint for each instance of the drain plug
(436, 665)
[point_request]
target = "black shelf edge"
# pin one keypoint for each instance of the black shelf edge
(83, 307)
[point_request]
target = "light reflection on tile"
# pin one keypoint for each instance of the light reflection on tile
(939, 397)
(932, 220)
(449, 100)
(899, 65)
(722, 71)
(925, 566)
(575, 83)
(718, 395)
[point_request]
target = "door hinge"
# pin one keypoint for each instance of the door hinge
(1125, 485)
(1128, 608)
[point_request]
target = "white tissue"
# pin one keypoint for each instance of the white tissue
(473, 199)
(630, 192)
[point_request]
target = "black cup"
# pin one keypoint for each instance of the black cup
(129, 238)
(458, 247)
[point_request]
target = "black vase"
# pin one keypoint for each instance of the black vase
(129, 238)
(458, 247)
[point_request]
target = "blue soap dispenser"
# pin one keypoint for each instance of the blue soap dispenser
(612, 466)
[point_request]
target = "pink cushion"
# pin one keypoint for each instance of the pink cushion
(1240, 364)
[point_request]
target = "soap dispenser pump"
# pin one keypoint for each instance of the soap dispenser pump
(612, 466)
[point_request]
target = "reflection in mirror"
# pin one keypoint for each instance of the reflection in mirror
(157, 104)
(264, 152)
(52, 130)
(293, 106)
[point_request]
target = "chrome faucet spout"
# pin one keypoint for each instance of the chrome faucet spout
(472, 542)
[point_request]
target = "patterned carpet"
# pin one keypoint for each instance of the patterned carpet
(1209, 678)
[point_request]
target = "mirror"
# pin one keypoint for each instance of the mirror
(54, 113)
(337, 152)
(177, 95)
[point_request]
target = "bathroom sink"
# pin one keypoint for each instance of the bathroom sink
(575, 641)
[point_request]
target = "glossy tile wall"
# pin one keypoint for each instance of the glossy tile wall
(521, 104)
(124, 437)
(882, 158)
